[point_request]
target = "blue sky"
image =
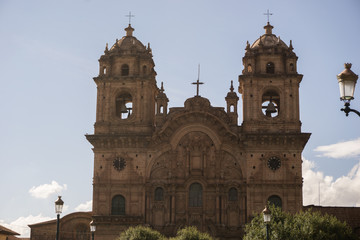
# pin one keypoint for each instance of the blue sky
(48, 57)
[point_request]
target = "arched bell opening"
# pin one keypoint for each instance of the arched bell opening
(270, 103)
(123, 105)
(103, 70)
(291, 67)
(232, 108)
(249, 68)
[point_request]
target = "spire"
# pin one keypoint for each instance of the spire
(231, 94)
(232, 87)
(247, 45)
(162, 87)
(291, 46)
(106, 48)
(260, 42)
(129, 31)
(161, 94)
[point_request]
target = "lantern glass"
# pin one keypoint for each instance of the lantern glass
(347, 89)
(92, 226)
(347, 81)
(59, 205)
(267, 217)
(266, 214)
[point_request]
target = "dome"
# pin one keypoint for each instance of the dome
(128, 43)
(269, 39)
(197, 103)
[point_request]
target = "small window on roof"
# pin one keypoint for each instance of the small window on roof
(124, 70)
(270, 68)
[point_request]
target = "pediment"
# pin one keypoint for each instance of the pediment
(197, 115)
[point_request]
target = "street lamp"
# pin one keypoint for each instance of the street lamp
(267, 217)
(347, 81)
(58, 209)
(92, 229)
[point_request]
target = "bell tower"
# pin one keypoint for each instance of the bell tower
(271, 126)
(126, 87)
(125, 121)
(269, 85)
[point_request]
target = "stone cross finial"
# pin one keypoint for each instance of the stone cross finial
(129, 16)
(198, 82)
(268, 15)
(232, 87)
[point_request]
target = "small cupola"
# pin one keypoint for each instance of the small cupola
(268, 29)
(129, 31)
(231, 103)
(161, 106)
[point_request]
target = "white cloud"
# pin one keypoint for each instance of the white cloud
(45, 190)
(343, 191)
(20, 225)
(65, 209)
(340, 150)
(84, 206)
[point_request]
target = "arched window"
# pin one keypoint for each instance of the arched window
(233, 194)
(124, 70)
(195, 195)
(292, 69)
(249, 68)
(232, 108)
(123, 105)
(275, 200)
(270, 67)
(118, 205)
(159, 194)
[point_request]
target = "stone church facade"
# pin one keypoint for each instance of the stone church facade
(192, 165)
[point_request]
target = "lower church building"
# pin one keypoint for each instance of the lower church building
(194, 164)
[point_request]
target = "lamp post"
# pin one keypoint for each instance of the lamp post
(58, 209)
(92, 229)
(347, 81)
(267, 217)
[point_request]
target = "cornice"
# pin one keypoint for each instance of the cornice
(118, 141)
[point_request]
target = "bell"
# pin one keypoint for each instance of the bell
(270, 109)
(123, 108)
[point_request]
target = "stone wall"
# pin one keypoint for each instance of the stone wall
(351, 215)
